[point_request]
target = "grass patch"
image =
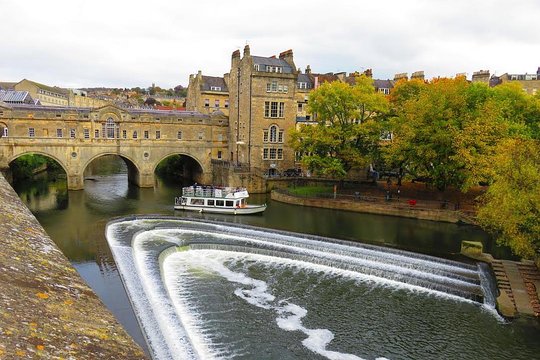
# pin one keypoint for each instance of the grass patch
(311, 190)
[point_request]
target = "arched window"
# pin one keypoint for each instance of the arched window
(273, 133)
(4, 130)
(110, 128)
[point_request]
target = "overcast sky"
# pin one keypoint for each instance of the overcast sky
(112, 43)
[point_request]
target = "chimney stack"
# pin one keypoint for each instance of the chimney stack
(417, 75)
(287, 56)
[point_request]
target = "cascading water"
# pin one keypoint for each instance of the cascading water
(210, 290)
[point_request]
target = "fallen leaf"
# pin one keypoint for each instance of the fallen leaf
(43, 295)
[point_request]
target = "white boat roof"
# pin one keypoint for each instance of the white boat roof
(215, 192)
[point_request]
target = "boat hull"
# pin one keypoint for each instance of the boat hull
(247, 210)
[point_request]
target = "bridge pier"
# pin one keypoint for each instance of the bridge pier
(75, 182)
(145, 180)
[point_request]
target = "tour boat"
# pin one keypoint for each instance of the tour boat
(222, 200)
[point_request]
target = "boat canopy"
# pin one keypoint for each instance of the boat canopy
(215, 192)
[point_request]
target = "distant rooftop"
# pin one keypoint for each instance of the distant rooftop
(16, 97)
(273, 61)
(214, 83)
(88, 110)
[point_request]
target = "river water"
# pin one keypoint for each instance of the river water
(366, 319)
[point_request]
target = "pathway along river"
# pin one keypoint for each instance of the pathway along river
(368, 320)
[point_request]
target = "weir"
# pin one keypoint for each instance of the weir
(163, 261)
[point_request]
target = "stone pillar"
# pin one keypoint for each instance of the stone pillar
(146, 179)
(75, 182)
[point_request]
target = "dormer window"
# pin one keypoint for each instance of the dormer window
(215, 88)
(256, 67)
(302, 85)
(276, 69)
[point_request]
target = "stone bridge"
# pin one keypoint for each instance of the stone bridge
(74, 137)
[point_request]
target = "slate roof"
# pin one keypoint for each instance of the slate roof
(214, 81)
(383, 84)
(272, 61)
(322, 78)
(306, 79)
(16, 97)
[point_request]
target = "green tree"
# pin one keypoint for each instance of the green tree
(346, 131)
(446, 130)
(520, 109)
(511, 205)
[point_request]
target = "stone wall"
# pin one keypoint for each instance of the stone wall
(373, 208)
(46, 310)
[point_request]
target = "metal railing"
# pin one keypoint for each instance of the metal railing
(210, 191)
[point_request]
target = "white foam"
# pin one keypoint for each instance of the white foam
(289, 315)
(162, 299)
(427, 274)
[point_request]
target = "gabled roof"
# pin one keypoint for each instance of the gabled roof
(214, 81)
(273, 61)
(16, 97)
(54, 89)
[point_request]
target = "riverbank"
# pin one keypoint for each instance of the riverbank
(46, 309)
(401, 207)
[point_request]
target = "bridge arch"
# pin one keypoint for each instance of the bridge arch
(42, 153)
(195, 173)
(134, 171)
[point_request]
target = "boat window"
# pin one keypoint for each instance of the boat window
(220, 202)
(197, 201)
(210, 202)
(229, 203)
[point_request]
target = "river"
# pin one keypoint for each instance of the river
(76, 220)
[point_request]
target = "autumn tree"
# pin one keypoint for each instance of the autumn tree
(346, 130)
(511, 206)
(447, 131)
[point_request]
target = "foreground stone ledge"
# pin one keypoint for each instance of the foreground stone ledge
(46, 309)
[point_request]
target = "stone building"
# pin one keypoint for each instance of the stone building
(263, 110)
(305, 84)
(481, 76)
(207, 94)
(529, 82)
(80, 98)
(47, 95)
